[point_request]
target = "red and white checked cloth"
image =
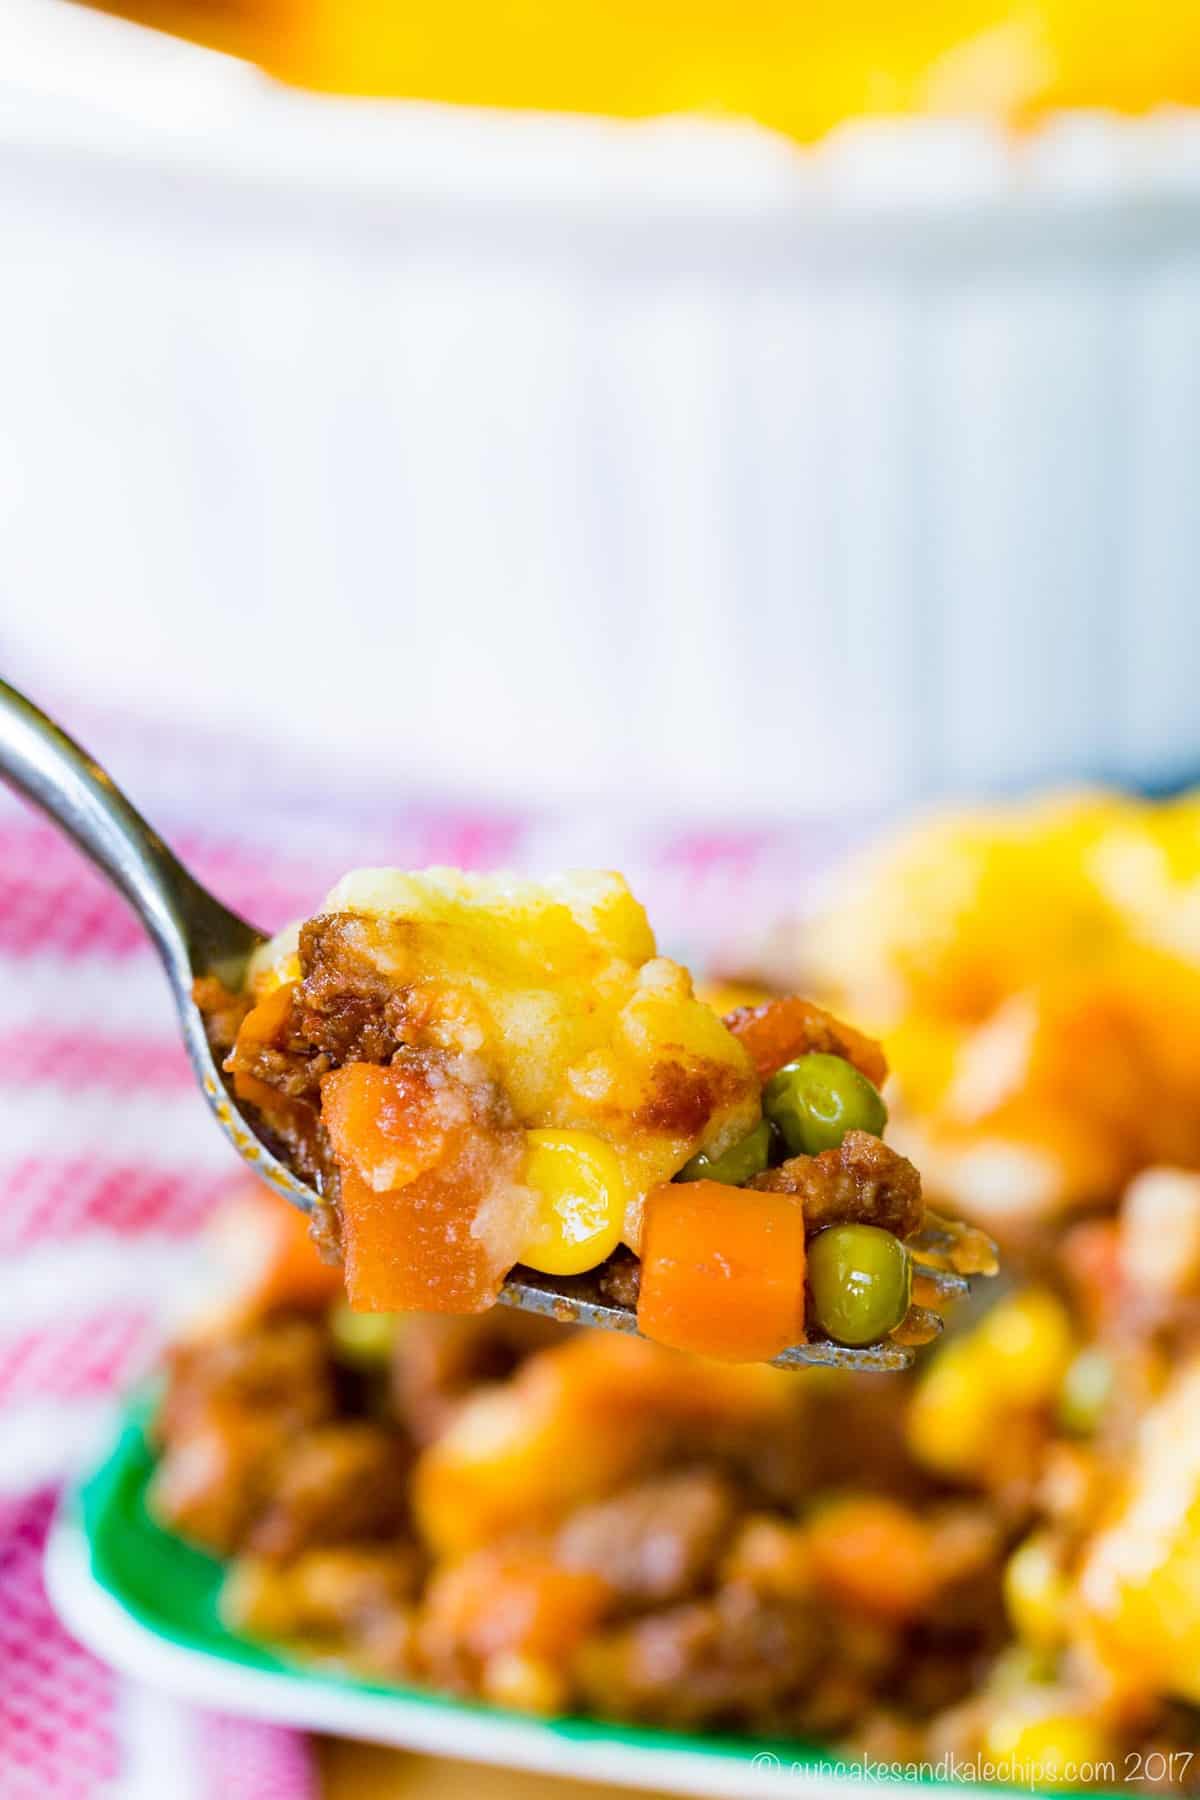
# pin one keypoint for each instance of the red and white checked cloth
(109, 1164)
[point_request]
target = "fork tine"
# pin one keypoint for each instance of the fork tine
(571, 1303)
(946, 1285)
(575, 1301)
(945, 1237)
(875, 1359)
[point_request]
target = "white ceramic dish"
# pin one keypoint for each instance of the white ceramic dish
(558, 433)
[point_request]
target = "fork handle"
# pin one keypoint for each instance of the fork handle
(192, 931)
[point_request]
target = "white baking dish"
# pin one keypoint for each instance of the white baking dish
(553, 454)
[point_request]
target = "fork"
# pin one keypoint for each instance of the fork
(196, 936)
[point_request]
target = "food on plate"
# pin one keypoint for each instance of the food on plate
(478, 1072)
(992, 1559)
(1035, 971)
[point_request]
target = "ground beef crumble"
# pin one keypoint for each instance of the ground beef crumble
(864, 1179)
(700, 1612)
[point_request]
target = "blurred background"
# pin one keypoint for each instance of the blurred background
(690, 438)
(526, 454)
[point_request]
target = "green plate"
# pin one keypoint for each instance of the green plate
(147, 1603)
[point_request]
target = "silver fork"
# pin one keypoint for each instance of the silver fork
(196, 936)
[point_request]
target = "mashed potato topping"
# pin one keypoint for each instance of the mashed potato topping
(1035, 969)
(1140, 1579)
(558, 986)
(555, 986)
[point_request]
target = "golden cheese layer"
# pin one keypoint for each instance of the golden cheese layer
(556, 989)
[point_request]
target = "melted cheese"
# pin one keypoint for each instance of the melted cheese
(555, 986)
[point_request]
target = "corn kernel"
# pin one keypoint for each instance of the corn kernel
(259, 1596)
(581, 1201)
(949, 1419)
(1036, 1593)
(726, 996)
(1026, 1341)
(1014, 1359)
(526, 1683)
(1040, 1747)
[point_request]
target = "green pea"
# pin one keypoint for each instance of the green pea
(860, 1282)
(817, 1099)
(1085, 1391)
(749, 1156)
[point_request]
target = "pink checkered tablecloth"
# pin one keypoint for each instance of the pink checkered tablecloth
(109, 1162)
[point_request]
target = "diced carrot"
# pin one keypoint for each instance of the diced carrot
(571, 1425)
(411, 1248)
(498, 1599)
(266, 1025)
(263, 1023)
(388, 1125)
(418, 1165)
(875, 1556)
(780, 1030)
(722, 1270)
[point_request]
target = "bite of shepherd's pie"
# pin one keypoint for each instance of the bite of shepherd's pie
(477, 1071)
